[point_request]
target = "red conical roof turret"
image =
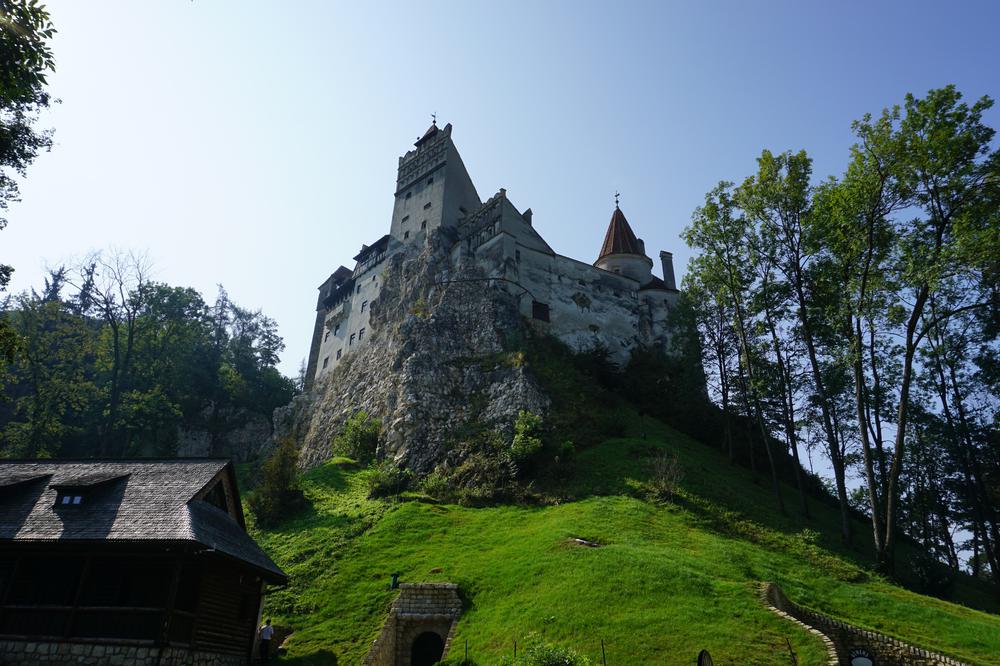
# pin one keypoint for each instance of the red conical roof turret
(620, 239)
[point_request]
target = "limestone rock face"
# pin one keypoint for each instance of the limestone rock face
(436, 364)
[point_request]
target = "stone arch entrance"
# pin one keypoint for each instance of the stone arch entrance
(427, 649)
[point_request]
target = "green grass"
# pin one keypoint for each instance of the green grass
(667, 581)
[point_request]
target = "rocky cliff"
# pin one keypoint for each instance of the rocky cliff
(439, 362)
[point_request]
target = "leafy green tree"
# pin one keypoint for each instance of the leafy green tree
(25, 58)
(721, 230)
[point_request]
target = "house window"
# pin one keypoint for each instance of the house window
(423, 225)
(338, 354)
(352, 340)
(364, 305)
(325, 362)
(539, 311)
(69, 499)
(427, 205)
(406, 234)
(361, 334)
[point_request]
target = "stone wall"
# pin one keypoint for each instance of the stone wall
(841, 638)
(420, 607)
(38, 653)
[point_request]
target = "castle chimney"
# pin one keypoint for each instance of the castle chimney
(527, 216)
(642, 246)
(667, 260)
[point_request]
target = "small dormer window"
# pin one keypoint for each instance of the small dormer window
(69, 499)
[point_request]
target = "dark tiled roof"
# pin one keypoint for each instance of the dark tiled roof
(134, 500)
(619, 239)
(656, 283)
(429, 134)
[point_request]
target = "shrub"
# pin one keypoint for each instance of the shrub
(278, 494)
(539, 653)
(435, 485)
(386, 479)
(359, 438)
(666, 477)
(527, 440)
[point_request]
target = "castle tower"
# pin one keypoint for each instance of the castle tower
(433, 189)
(622, 252)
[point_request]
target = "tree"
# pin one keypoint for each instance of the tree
(721, 230)
(25, 57)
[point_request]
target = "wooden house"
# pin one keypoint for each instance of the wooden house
(127, 562)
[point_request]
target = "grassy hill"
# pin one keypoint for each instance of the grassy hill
(667, 580)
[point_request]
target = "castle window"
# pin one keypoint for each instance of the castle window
(352, 340)
(325, 362)
(517, 255)
(406, 234)
(359, 289)
(539, 311)
(336, 329)
(326, 337)
(409, 194)
(430, 181)
(364, 305)
(404, 220)
(461, 209)
(373, 278)
(338, 354)
(361, 334)
(427, 205)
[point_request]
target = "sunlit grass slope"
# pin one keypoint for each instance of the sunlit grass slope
(667, 580)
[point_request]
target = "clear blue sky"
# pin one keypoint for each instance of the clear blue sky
(254, 144)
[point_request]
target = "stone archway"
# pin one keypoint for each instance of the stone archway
(427, 649)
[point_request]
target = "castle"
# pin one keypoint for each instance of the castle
(616, 302)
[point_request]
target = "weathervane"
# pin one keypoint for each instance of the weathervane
(617, 194)
(434, 118)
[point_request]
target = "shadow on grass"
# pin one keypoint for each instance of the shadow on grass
(320, 658)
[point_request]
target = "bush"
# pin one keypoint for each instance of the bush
(436, 485)
(539, 653)
(359, 438)
(527, 440)
(666, 477)
(278, 494)
(386, 479)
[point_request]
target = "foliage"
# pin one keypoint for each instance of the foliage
(121, 364)
(540, 653)
(666, 476)
(859, 314)
(359, 437)
(25, 58)
(386, 479)
(278, 495)
(527, 442)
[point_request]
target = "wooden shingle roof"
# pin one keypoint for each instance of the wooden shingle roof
(124, 500)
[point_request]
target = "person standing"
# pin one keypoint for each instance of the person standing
(266, 632)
